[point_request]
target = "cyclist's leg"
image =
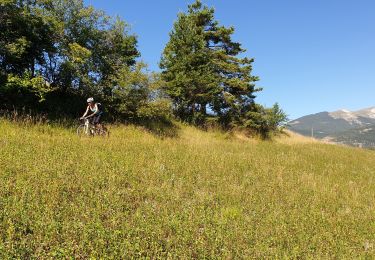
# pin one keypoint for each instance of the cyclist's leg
(99, 121)
(96, 121)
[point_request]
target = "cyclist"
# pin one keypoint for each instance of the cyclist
(95, 114)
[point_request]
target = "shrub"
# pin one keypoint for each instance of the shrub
(265, 121)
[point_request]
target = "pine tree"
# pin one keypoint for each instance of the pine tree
(187, 69)
(201, 67)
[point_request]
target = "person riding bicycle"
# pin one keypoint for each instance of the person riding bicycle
(95, 110)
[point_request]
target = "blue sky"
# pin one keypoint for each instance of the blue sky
(311, 56)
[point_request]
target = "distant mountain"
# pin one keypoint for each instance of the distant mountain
(343, 126)
(363, 137)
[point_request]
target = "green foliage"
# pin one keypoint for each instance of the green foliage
(25, 37)
(51, 48)
(159, 110)
(134, 95)
(72, 47)
(24, 90)
(189, 76)
(78, 54)
(202, 69)
(264, 121)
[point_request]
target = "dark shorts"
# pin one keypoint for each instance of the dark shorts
(96, 119)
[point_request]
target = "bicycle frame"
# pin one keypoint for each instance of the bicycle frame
(88, 127)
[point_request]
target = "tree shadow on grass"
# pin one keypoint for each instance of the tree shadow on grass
(161, 129)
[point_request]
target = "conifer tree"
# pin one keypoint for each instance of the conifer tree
(201, 67)
(188, 70)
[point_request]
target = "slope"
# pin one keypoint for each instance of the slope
(199, 195)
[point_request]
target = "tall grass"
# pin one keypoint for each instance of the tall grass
(197, 195)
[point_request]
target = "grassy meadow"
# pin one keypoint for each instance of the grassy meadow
(196, 195)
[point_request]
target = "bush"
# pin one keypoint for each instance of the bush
(160, 110)
(265, 121)
(25, 91)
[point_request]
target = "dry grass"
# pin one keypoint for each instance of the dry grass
(292, 138)
(200, 195)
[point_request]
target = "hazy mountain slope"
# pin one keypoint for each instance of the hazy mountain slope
(322, 124)
(342, 126)
(364, 137)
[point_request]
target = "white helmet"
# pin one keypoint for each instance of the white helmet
(90, 99)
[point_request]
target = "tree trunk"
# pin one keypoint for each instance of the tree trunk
(203, 109)
(33, 68)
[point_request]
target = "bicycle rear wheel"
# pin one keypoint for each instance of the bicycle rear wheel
(103, 131)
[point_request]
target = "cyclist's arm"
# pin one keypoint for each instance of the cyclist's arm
(87, 110)
(96, 111)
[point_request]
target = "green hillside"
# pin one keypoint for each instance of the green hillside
(198, 195)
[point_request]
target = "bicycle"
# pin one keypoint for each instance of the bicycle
(88, 129)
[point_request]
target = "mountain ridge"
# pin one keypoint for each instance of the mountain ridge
(341, 126)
